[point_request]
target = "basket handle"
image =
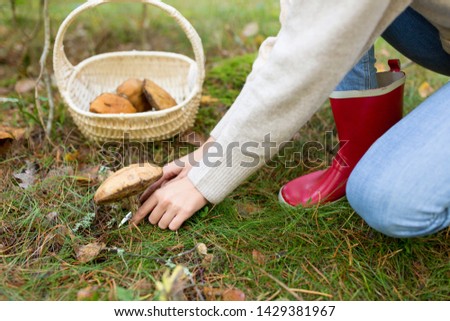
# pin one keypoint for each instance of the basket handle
(63, 68)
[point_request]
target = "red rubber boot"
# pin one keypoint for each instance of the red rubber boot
(361, 117)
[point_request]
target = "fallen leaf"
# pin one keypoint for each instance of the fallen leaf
(214, 294)
(87, 176)
(258, 257)
(6, 140)
(251, 29)
(208, 100)
(89, 251)
(89, 293)
(233, 295)
(17, 133)
(71, 156)
(25, 85)
(7, 137)
(193, 138)
(425, 90)
(28, 177)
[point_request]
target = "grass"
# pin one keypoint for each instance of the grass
(267, 251)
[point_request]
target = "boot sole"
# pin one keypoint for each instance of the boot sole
(281, 199)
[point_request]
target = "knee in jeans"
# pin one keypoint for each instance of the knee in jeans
(372, 200)
(393, 211)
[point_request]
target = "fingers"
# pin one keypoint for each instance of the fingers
(167, 218)
(178, 220)
(144, 209)
(170, 171)
(151, 189)
(171, 205)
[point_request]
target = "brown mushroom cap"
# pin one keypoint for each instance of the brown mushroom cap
(127, 181)
(157, 97)
(133, 90)
(111, 104)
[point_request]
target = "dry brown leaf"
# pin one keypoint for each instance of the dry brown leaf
(89, 251)
(17, 133)
(89, 293)
(88, 176)
(7, 137)
(233, 295)
(215, 294)
(25, 85)
(28, 177)
(193, 138)
(71, 156)
(212, 294)
(258, 257)
(425, 90)
(6, 140)
(208, 100)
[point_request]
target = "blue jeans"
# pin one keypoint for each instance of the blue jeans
(401, 187)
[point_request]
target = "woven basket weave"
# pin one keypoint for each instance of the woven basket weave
(181, 76)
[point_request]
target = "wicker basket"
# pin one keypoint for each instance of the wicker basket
(181, 76)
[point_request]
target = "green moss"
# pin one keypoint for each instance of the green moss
(226, 78)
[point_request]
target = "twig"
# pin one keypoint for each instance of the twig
(42, 63)
(13, 11)
(51, 104)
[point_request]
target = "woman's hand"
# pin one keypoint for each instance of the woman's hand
(172, 171)
(173, 198)
(171, 205)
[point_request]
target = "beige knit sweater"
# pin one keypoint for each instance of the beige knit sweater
(318, 43)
